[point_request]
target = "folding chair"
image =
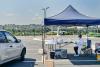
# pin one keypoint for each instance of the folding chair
(86, 51)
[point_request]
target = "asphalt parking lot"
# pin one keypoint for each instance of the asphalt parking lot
(33, 59)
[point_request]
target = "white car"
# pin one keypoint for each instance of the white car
(10, 47)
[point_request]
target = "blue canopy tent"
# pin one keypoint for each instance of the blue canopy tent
(71, 16)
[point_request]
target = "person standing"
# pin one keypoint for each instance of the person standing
(78, 46)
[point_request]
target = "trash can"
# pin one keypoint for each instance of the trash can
(88, 43)
(52, 54)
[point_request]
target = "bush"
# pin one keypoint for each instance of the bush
(91, 34)
(69, 33)
(51, 33)
(97, 35)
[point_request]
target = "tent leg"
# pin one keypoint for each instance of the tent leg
(87, 35)
(97, 30)
(87, 32)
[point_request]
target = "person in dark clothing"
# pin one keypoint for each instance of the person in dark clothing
(76, 50)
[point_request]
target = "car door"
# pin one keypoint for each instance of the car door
(3, 47)
(14, 46)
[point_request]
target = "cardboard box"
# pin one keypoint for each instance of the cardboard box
(49, 63)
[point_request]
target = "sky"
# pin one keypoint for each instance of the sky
(23, 12)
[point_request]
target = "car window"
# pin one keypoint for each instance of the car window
(2, 38)
(10, 38)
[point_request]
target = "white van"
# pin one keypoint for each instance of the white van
(10, 47)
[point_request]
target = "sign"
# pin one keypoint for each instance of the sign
(97, 45)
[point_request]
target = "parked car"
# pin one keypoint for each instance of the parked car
(11, 48)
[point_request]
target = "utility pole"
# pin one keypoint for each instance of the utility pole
(45, 11)
(43, 32)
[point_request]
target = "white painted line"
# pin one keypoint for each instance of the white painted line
(32, 49)
(37, 39)
(82, 60)
(32, 53)
(74, 60)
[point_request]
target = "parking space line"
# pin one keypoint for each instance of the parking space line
(83, 60)
(74, 60)
(34, 49)
(31, 53)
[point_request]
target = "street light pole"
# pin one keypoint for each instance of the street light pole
(45, 11)
(43, 32)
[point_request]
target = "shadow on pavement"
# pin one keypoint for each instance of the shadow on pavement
(83, 60)
(28, 62)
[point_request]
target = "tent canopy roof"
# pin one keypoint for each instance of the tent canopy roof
(70, 16)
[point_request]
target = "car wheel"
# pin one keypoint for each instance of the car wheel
(22, 58)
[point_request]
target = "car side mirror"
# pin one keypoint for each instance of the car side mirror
(18, 40)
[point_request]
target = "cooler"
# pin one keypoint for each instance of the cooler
(88, 43)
